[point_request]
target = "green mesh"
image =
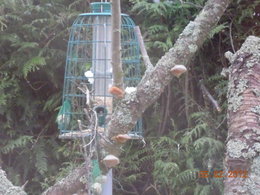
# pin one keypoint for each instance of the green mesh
(95, 170)
(63, 118)
(89, 53)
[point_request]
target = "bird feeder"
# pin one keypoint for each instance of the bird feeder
(88, 66)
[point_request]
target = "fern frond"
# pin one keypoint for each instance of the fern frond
(205, 190)
(217, 29)
(196, 132)
(157, 28)
(166, 168)
(33, 64)
(18, 143)
(39, 21)
(25, 45)
(40, 156)
(13, 17)
(187, 176)
(198, 189)
(132, 178)
(52, 102)
(12, 37)
(212, 145)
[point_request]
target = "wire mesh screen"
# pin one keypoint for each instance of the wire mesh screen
(88, 64)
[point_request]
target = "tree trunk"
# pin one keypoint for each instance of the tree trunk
(7, 188)
(243, 142)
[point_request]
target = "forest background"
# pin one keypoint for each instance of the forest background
(184, 132)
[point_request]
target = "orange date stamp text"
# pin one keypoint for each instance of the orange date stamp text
(222, 174)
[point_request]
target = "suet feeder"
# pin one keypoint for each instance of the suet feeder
(88, 64)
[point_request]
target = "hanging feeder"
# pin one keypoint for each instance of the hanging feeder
(88, 67)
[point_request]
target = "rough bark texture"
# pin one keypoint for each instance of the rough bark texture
(70, 184)
(130, 109)
(7, 188)
(243, 142)
(116, 45)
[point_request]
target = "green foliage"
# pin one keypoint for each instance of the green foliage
(202, 190)
(33, 51)
(187, 176)
(40, 157)
(168, 20)
(13, 144)
(8, 89)
(217, 29)
(33, 64)
(174, 161)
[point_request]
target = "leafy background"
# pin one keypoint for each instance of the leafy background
(184, 133)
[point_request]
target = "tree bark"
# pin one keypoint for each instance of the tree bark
(7, 188)
(70, 184)
(243, 142)
(130, 109)
(116, 45)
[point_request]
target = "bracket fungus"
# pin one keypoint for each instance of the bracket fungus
(121, 138)
(117, 92)
(111, 161)
(178, 70)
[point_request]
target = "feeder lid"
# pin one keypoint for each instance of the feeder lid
(101, 7)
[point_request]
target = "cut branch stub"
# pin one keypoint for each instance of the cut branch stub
(230, 56)
(117, 92)
(178, 70)
(96, 188)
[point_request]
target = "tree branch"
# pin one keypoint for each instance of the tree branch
(206, 93)
(130, 109)
(145, 56)
(116, 45)
(70, 184)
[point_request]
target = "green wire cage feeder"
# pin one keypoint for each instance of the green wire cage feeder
(88, 63)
